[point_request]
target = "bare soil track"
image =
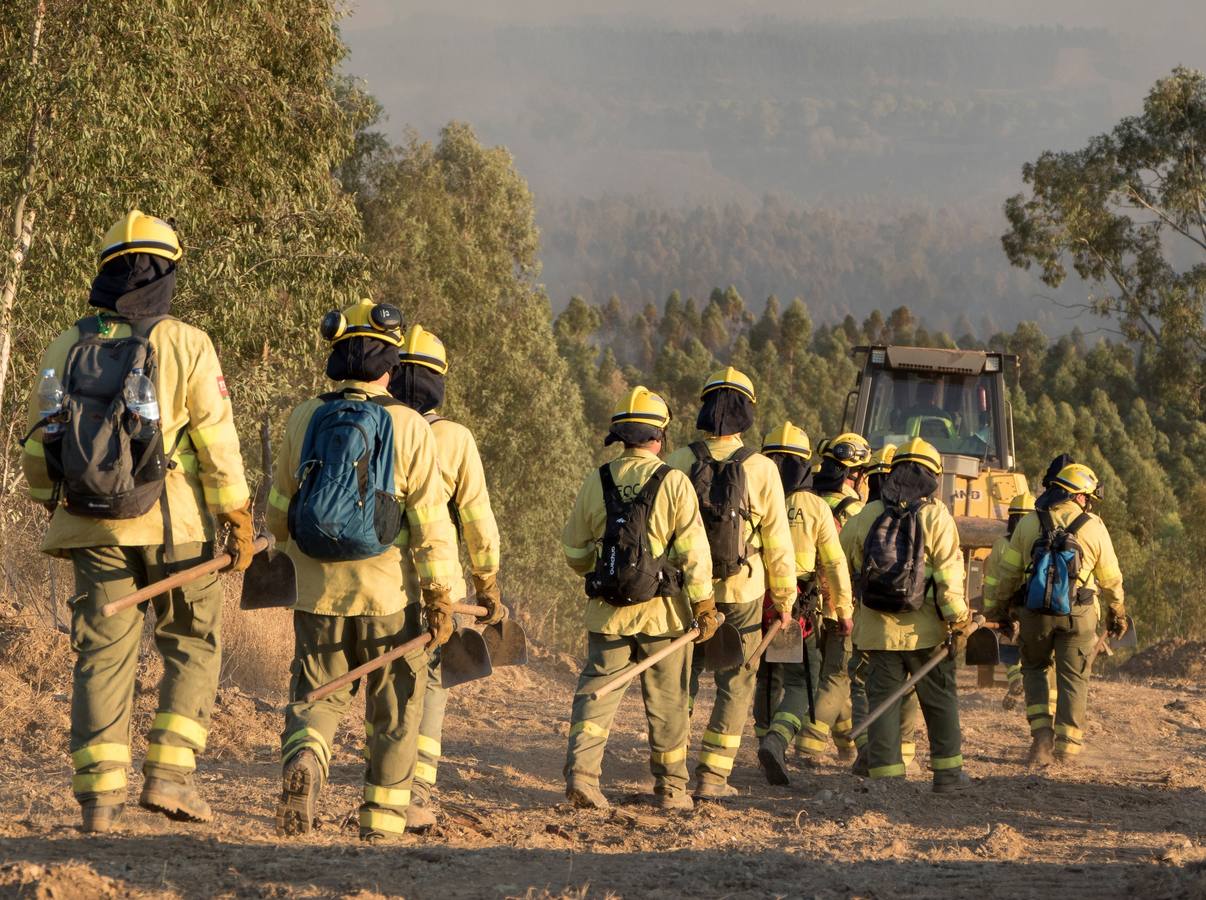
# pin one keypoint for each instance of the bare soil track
(1130, 820)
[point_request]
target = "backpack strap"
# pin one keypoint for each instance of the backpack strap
(654, 483)
(433, 417)
(844, 504)
(611, 494)
(741, 454)
(701, 451)
(1078, 523)
(1045, 520)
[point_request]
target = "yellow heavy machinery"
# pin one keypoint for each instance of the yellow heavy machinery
(957, 400)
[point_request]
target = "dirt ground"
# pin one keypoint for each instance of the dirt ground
(1130, 820)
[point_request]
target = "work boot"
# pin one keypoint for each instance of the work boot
(714, 790)
(585, 795)
(419, 814)
(672, 799)
(301, 782)
(912, 767)
(99, 819)
(951, 780)
(861, 767)
(771, 757)
(180, 802)
(1042, 746)
(846, 752)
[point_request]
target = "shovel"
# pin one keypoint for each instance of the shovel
(1128, 641)
(724, 649)
(622, 680)
(983, 648)
(787, 646)
(463, 658)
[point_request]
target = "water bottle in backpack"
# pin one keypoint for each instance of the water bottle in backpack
(50, 403)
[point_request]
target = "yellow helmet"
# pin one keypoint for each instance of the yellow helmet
(729, 378)
(881, 460)
(788, 438)
(136, 232)
(850, 450)
(382, 321)
(1076, 478)
(1021, 504)
(642, 407)
(422, 348)
(918, 451)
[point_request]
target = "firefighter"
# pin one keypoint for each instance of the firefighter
(350, 610)
(1063, 641)
(745, 516)
(620, 635)
(203, 491)
(897, 644)
(418, 381)
(823, 582)
(877, 470)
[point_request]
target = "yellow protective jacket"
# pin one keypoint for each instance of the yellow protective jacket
(835, 498)
(772, 566)
(673, 517)
(815, 537)
(944, 602)
(194, 409)
(1099, 571)
(371, 587)
(465, 482)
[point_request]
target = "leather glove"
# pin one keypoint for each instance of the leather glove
(959, 630)
(241, 538)
(704, 613)
(437, 607)
(845, 627)
(1007, 630)
(489, 596)
(1115, 622)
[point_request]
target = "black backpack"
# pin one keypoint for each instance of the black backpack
(724, 506)
(893, 579)
(626, 571)
(110, 465)
(1055, 561)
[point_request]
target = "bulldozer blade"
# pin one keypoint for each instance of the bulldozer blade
(787, 646)
(983, 648)
(464, 658)
(507, 643)
(723, 650)
(1010, 654)
(1128, 641)
(269, 582)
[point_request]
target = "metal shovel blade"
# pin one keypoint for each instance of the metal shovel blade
(270, 581)
(983, 648)
(464, 658)
(1011, 654)
(723, 650)
(1128, 641)
(507, 643)
(787, 646)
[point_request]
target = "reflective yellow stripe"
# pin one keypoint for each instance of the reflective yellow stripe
(98, 782)
(891, 771)
(187, 462)
(368, 729)
(1040, 723)
(34, 448)
(781, 582)
(306, 737)
(1066, 747)
(210, 435)
(231, 496)
(1012, 557)
(382, 820)
(861, 740)
(438, 570)
(793, 721)
(991, 580)
(843, 725)
(684, 544)
(429, 746)
(425, 515)
(172, 756)
(771, 542)
(698, 590)
(942, 763)
(908, 752)
(805, 564)
(716, 739)
(716, 761)
(99, 753)
(947, 576)
(656, 547)
(578, 552)
(1070, 732)
(810, 744)
(485, 561)
(830, 552)
(951, 612)
(1038, 709)
(783, 730)
(590, 729)
(473, 513)
(759, 731)
(819, 728)
(425, 773)
(192, 731)
(384, 796)
(278, 500)
(38, 493)
(668, 756)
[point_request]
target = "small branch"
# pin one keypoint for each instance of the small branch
(1164, 217)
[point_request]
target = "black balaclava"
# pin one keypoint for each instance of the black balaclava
(361, 359)
(1054, 494)
(1013, 523)
(632, 433)
(875, 485)
(830, 478)
(725, 411)
(135, 286)
(1057, 465)
(793, 471)
(907, 483)
(420, 388)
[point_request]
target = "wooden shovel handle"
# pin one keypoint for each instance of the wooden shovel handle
(650, 661)
(775, 627)
(172, 582)
(468, 609)
(372, 665)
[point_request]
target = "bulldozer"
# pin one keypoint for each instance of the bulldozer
(957, 400)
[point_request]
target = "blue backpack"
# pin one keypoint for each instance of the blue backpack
(345, 507)
(1055, 563)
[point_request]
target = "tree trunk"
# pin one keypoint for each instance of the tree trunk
(23, 218)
